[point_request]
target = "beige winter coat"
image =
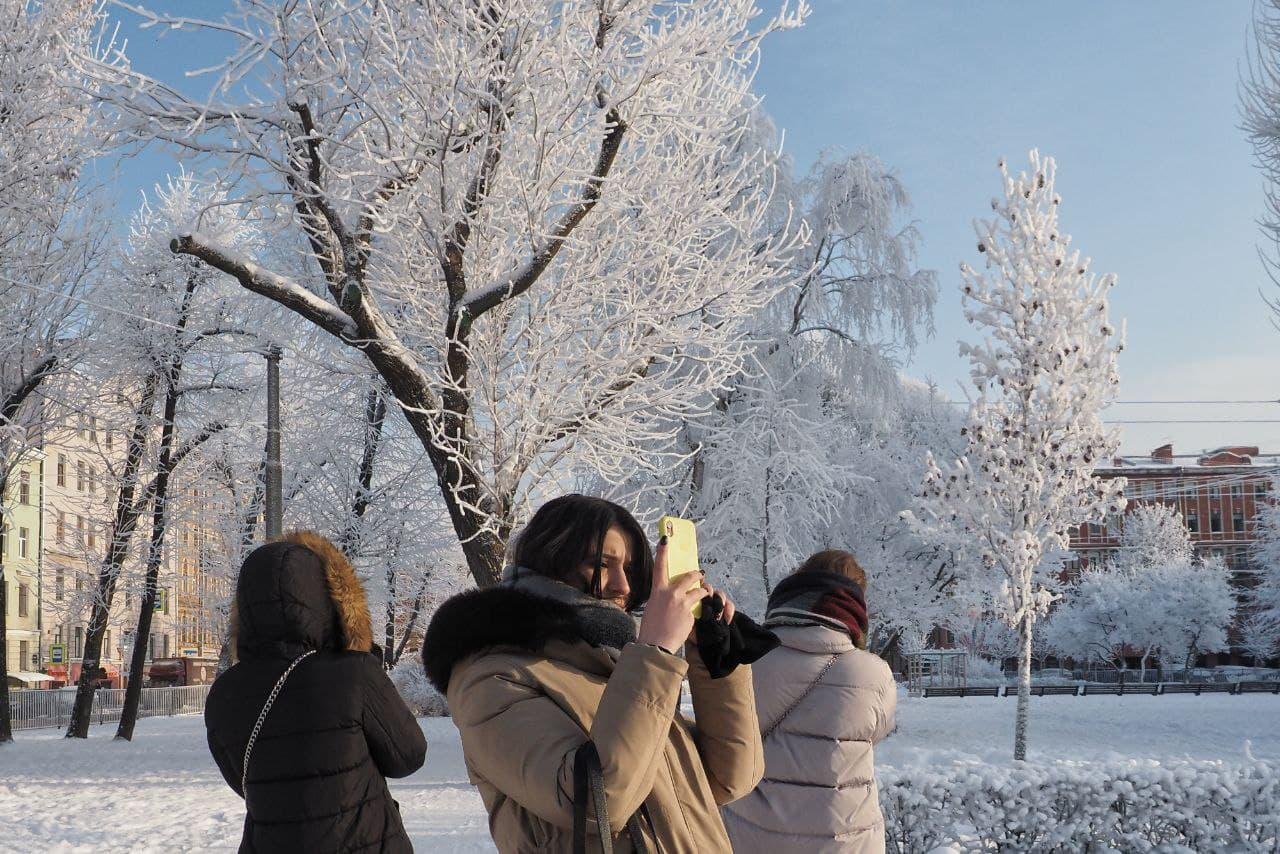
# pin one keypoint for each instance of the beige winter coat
(819, 792)
(523, 707)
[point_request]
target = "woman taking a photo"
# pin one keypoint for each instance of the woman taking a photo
(548, 670)
(824, 702)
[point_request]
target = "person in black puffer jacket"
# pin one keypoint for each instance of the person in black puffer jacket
(317, 773)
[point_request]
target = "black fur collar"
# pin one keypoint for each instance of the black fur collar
(510, 616)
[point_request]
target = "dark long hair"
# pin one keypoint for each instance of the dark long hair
(569, 531)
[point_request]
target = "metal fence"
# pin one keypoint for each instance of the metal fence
(52, 707)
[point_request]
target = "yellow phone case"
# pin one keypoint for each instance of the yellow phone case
(682, 549)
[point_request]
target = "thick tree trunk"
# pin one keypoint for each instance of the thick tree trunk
(159, 522)
(414, 613)
(10, 407)
(1024, 688)
(155, 552)
(6, 725)
(122, 530)
(389, 624)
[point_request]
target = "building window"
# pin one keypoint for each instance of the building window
(1237, 491)
(106, 644)
(93, 428)
(1193, 521)
(79, 581)
(1215, 492)
(23, 535)
(1259, 489)
(1215, 522)
(24, 601)
(1237, 521)
(24, 487)
(92, 538)
(93, 479)
(165, 645)
(1189, 488)
(60, 528)
(24, 655)
(79, 475)
(62, 469)
(77, 648)
(59, 586)
(111, 440)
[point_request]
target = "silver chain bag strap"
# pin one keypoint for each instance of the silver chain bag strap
(800, 699)
(253, 736)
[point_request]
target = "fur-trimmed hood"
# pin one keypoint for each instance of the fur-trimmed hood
(295, 593)
(514, 616)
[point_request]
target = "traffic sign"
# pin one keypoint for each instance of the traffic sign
(57, 653)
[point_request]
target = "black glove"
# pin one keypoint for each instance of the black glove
(723, 646)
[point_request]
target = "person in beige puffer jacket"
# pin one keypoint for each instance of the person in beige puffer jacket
(823, 703)
(551, 658)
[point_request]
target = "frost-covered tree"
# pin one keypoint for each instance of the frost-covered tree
(355, 472)
(1260, 95)
(1261, 624)
(1143, 600)
(1154, 535)
(1199, 603)
(1042, 375)
(179, 354)
(49, 240)
(531, 218)
(804, 439)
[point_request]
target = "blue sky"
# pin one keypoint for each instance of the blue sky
(1138, 103)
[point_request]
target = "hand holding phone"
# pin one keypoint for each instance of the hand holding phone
(668, 615)
(682, 549)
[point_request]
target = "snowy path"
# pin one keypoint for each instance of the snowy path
(162, 793)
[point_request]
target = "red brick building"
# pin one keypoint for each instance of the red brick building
(1217, 494)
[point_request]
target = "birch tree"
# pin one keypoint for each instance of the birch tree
(527, 216)
(48, 247)
(1041, 376)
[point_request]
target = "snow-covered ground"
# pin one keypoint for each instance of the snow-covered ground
(162, 793)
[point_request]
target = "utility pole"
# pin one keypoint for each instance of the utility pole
(274, 476)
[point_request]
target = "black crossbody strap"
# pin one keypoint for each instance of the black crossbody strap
(588, 776)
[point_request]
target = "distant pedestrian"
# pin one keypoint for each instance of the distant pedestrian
(309, 708)
(823, 702)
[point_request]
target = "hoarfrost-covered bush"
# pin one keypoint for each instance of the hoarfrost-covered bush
(1104, 806)
(418, 693)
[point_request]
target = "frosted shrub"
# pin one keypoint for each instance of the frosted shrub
(419, 694)
(1106, 806)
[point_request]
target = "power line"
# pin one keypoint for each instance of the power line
(1192, 421)
(1165, 402)
(1160, 402)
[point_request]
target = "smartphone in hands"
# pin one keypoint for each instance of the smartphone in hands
(682, 549)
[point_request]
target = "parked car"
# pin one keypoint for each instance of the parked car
(183, 670)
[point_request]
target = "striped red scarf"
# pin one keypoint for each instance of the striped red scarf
(819, 598)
